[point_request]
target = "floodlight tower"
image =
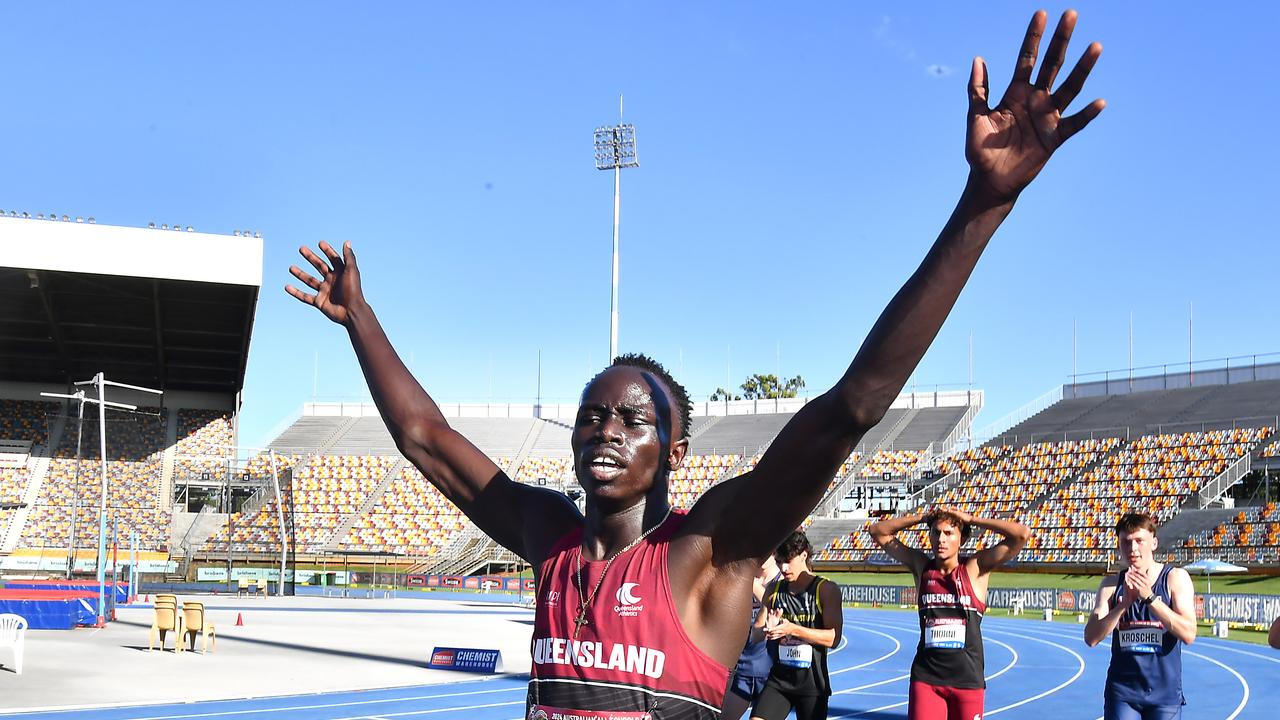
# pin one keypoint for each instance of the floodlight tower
(615, 149)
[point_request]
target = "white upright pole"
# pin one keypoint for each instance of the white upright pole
(102, 505)
(613, 296)
(284, 544)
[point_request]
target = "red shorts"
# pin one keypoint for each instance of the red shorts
(938, 702)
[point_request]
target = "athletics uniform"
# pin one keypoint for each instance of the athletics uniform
(947, 674)
(1144, 679)
(753, 665)
(799, 676)
(633, 660)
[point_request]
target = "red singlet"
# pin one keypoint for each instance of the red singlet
(633, 660)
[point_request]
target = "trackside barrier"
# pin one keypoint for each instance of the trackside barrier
(1232, 607)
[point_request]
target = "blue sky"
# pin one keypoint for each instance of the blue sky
(796, 162)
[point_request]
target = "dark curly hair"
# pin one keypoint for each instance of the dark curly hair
(796, 543)
(681, 406)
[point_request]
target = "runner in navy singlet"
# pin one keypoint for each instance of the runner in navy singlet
(1149, 612)
(947, 675)
(754, 663)
(626, 584)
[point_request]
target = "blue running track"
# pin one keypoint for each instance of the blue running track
(1034, 670)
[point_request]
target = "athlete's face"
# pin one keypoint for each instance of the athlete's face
(1137, 548)
(622, 435)
(946, 539)
(792, 567)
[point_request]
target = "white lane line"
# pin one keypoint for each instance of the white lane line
(998, 673)
(1050, 691)
(844, 643)
(319, 706)
(409, 713)
(1244, 700)
(897, 646)
(1243, 652)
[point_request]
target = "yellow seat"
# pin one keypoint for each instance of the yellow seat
(242, 586)
(166, 618)
(194, 622)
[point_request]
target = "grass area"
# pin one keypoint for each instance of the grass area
(1251, 584)
(1240, 633)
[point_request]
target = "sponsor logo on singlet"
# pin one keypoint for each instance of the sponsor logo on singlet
(628, 604)
(601, 655)
(552, 599)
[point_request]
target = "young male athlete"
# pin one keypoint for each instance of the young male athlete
(947, 675)
(1273, 637)
(801, 621)
(753, 666)
(641, 611)
(1148, 609)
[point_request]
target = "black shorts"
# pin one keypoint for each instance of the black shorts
(774, 704)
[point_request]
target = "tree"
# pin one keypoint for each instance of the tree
(763, 387)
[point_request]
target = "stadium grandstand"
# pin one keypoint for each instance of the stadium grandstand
(1196, 448)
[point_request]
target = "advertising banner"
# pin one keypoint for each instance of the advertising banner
(1256, 609)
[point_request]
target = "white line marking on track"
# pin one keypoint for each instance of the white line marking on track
(844, 643)
(318, 706)
(1244, 700)
(1050, 691)
(846, 691)
(896, 647)
(1242, 652)
(409, 713)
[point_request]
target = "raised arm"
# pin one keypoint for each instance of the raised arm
(885, 533)
(1014, 537)
(464, 474)
(1006, 148)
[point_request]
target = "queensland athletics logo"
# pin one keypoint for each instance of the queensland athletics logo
(628, 604)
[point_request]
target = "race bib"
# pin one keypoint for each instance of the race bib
(547, 712)
(794, 653)
(1140, 637)
(947, 633)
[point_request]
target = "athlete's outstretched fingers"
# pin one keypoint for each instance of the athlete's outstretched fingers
(308, 299)
(1030, 48)
(1074, 83)
(320, 265)
(305, 277)
(1072, 124)
(334, 258)
(1057, 52)
(979, 89)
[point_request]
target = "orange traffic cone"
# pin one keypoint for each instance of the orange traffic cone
(146, 599)
(239, 620)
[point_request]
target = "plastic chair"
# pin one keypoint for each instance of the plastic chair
(166, 618)
(242, 586)
(194, 622)
(262, 587)
(13, 634)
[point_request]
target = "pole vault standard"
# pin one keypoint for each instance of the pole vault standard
(100, 382)
(275, 482)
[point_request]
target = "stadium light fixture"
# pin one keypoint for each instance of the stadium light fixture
(615, 149)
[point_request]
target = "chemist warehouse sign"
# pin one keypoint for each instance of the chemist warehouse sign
(1257, 609)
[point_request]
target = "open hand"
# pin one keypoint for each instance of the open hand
(338, 287)
(1007, 147)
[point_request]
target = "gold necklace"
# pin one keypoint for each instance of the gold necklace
(584, 602)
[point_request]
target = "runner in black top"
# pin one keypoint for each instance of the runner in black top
(947, 674)
(802, 620)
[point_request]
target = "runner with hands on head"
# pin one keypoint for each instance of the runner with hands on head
(947, 675)
(641, 610)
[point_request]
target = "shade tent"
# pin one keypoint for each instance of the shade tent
(1209, 566)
